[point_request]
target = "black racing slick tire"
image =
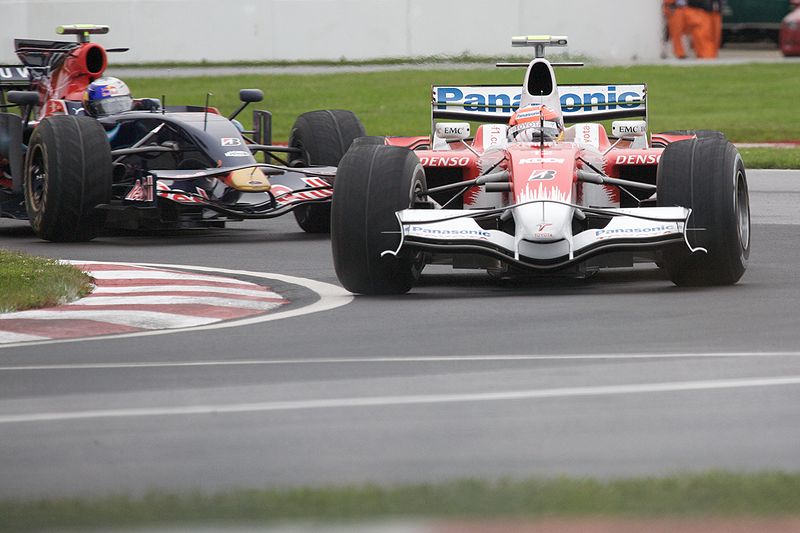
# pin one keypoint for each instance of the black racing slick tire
(67, 173)
(372, 183)
(322, 137)
(706, 175)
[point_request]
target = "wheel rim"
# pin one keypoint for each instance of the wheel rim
(742, 209)
(37, 185)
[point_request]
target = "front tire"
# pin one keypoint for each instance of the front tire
(323, 138)
(708, 176)
(67, 173)
(372, 183)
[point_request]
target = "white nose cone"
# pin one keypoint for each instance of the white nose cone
(543, 222)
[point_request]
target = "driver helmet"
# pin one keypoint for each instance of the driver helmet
(534, 123)
(107, 96)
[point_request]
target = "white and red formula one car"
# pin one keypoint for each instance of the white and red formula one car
(525, 195)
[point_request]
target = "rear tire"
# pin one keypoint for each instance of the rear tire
(323, 137)
(372, 183)
(67, 173)
(708, 176)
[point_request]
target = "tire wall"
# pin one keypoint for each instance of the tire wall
(353, 29)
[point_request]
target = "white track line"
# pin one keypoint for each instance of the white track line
(216, 301)
(397, 359)
(137, 319)
(383, 401)
(330, 297)
(261, 293)
(156, 274)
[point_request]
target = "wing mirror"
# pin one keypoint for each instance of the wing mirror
(628, 129)
(251, 95)
(449, 131)
(452, 131)
(247, 96)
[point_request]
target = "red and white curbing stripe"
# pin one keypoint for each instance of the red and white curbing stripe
(131, 298)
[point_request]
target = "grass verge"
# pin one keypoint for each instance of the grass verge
(721, 494)
(771, 157)
(28, 282)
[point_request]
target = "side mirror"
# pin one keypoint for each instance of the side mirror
(449, 131)
(452, 131)
(628, 129)
(146, 104)
(247, 96)
(251, 95)
(23, 97)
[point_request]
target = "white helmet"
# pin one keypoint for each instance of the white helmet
(533, 123)
(107, 96)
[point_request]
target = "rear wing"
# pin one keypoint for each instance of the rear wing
(579, 103)
(14, 76)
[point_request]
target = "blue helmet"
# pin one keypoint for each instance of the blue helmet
(107, 96)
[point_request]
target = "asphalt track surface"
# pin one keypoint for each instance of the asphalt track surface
(620, 375)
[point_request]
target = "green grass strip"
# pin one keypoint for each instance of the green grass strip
(771, 157)
(721, 494)
(28, 282)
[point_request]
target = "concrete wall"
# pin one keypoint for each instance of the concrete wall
(616, 31)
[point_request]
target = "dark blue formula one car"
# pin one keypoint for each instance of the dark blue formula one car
(78, 153)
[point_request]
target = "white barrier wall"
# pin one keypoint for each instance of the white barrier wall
(615, 31)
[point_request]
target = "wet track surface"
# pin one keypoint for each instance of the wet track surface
(620, 375)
